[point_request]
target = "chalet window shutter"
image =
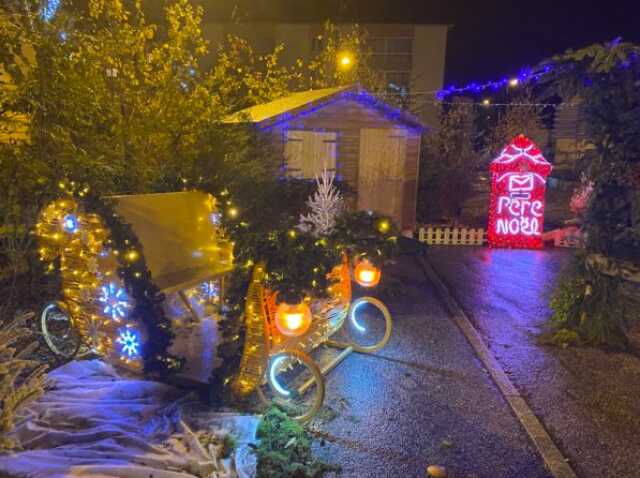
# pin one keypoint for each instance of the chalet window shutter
(293, 153)
(308, 152)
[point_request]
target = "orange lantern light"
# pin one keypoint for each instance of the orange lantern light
(293, 320)
(366, 274)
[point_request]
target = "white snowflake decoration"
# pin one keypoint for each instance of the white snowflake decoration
(325, 205)
(130, 341)
(115, 300)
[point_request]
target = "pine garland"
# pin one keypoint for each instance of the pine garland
(138, 281)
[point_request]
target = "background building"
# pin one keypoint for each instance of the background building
(411, 57)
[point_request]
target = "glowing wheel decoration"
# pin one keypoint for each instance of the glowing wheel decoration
(354, 318)
(295, 383)
(516, 208)
(377, 333)
(129, 339)
(58, 331)
(115, 300)
(276, 364)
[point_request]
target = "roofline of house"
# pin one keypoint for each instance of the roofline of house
(353, 92)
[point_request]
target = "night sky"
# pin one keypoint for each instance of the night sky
(488, 39)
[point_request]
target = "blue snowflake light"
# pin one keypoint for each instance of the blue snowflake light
(210, 290)
(115, 300)
(49, 9)
(129, 339)
(70, 223)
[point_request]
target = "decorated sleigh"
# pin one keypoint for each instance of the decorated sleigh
(142, 282)
(280, 338)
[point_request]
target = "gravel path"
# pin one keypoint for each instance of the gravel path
(423, 399)
(586, 398)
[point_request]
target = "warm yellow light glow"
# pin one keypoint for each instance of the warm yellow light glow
(383, 226)
(345, 60)
(233, 212)
(514, 82)
(486, 102)
(132, 255)
(293, 320)
(77, 258)
(366, 274)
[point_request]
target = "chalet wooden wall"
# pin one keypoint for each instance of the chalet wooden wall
(347, 118)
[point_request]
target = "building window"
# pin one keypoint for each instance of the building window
(393, 57)
(317, 43)
(307, 153)
(391, 45)
(377, 45)
(399, 45)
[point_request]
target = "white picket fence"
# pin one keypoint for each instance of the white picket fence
(451, 236)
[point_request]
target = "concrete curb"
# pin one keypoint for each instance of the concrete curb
(553, 458)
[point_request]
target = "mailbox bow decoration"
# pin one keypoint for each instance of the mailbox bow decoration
(516, 209)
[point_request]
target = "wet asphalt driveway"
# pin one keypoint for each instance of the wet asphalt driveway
(587, 399)
(424, 399)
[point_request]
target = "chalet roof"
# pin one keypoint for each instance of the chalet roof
(303, 101)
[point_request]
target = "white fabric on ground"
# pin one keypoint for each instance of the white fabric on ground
(94, 423)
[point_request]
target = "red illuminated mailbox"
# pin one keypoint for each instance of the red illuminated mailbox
(516, 207)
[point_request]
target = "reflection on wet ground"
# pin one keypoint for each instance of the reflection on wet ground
(587, 398)
(422, 399)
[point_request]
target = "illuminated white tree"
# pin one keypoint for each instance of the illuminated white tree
(325, 205)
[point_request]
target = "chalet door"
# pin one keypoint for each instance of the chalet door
(381, 171)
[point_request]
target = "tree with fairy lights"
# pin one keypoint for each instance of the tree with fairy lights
(593, 304)
(345, 59)
(523, 117)
(447, 163)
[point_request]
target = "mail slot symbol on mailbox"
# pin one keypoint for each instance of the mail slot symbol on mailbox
(520, 183)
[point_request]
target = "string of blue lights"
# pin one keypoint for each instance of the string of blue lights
(526, 76)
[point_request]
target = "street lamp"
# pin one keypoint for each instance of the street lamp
(345, 60)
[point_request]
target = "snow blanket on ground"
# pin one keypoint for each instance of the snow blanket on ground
(95, 423)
